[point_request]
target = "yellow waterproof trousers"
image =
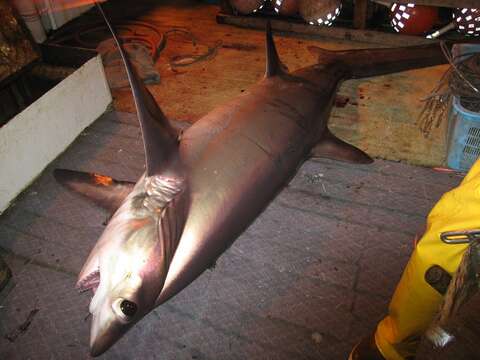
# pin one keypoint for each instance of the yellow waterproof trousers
(415, 302)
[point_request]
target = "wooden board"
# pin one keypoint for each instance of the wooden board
(360, 14)
(284, 25)
(16, 48)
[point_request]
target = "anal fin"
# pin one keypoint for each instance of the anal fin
(102, 190)
(331, 147)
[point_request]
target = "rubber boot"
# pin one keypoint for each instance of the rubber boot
(366, 349)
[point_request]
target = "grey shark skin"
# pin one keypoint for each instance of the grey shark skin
(199, 194)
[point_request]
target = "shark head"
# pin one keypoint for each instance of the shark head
(127, 268)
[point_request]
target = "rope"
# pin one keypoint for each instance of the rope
(462, 79)
(146, 34)
(462, 288)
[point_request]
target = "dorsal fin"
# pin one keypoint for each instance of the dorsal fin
(159, 139)
(274, 65)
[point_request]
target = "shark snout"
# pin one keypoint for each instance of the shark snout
(102, 339)
(98, 347)
(105, 331)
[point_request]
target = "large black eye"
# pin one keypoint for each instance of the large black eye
(128, 308)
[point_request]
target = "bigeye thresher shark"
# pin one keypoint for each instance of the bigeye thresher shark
(201, 191)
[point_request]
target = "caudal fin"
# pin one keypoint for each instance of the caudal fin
(360, 63)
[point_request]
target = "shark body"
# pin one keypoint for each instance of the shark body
(200, 192)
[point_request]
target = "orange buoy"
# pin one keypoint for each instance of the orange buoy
(467, 21)
(320, 12)
(286, 7)
(413, 19)
(247, 6)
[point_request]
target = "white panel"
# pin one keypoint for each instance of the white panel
(36, 136)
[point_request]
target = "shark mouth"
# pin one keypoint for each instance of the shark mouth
(89, 282)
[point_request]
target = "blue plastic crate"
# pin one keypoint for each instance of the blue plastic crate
(464, 138)
(464, 125)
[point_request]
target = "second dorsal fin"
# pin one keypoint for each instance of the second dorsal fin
(159, 138)
(274, 65)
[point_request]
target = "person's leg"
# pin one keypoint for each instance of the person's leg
(415, 301)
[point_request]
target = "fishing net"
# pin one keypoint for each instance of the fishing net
(462, 79)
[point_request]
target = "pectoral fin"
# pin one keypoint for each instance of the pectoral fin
(332, 147)
(102, 190)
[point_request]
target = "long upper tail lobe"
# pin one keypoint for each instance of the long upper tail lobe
(360, 63)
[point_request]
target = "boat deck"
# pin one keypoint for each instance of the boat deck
(313, 273)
